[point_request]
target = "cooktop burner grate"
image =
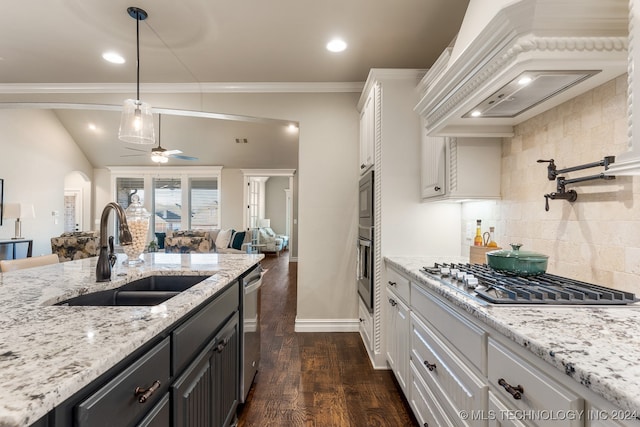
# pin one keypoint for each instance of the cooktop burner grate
(480, 281)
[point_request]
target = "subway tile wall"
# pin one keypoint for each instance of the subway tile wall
(596, 238)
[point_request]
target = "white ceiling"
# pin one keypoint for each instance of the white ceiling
(60, 43)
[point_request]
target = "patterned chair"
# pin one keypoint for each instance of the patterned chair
(76, 245)
(273, 242)
(187, 241)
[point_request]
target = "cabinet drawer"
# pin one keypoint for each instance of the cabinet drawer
(117, 397)
(499, 414)
(189, 338)
(399, 284)
(457, 387)
(366, 325)
(160, 415)
(425, 407)
(467, 338)
(539, 391)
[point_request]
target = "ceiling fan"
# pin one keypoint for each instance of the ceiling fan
(160, 154)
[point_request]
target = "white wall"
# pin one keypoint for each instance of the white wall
(34, 162)
(232, 201)
(275, 202)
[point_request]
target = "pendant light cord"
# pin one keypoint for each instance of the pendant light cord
(138, 56)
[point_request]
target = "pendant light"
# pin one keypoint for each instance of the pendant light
(136, 123)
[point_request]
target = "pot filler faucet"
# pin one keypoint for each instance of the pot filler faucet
(107, 257)
(571, 195)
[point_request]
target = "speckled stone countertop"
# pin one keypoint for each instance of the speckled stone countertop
(599, 347)
(47, 353)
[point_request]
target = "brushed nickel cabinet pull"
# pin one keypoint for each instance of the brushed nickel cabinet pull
(516, 391)
(145, 394)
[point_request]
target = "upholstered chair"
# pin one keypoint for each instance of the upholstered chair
(76, 245)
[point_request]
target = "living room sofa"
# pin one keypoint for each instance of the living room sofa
(203, 241)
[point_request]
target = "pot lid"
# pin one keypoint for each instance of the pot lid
(517, 253)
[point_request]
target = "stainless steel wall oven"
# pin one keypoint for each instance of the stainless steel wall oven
(365, 262)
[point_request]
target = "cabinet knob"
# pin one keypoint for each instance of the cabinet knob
(392, 302)
(392, 283)
(362, 166)
(361, 320)
(516, 391)
(436, 188)
(144, 394)
(430, 366)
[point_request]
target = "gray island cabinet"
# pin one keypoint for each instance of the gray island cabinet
(184, 372)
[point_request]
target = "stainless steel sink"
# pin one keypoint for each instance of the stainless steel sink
(152, 290)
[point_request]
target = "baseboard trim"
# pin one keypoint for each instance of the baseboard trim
(327, 325)
(293, 259)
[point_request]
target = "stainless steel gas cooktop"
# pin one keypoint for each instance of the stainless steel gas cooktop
(483, 283)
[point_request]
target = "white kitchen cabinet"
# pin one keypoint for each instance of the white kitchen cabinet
(498, 415)
(369, 128)
(366, 324)
(426, 407)
(397, 335)
(537, 393)
(460, 168)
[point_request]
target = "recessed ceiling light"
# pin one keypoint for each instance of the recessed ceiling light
(292, 128)
(92, 127)
(336, 45)
(476, 113)
(525, 80)
(113, 57)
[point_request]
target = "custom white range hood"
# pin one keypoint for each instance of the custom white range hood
(513, 60)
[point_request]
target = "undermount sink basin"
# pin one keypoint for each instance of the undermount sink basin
(152, 290)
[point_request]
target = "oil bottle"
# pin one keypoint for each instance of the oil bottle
(492, 243)
(477, 241)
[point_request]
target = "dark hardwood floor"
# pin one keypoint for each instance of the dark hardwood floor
(314, 379)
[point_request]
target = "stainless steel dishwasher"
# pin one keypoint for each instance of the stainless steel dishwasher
(250, 313)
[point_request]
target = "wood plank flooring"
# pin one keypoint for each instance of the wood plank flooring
(314, 379)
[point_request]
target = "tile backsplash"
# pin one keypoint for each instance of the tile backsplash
(596, 238)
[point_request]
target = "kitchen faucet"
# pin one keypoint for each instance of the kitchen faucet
(107, 257)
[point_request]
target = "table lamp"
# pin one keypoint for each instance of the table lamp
(19, 211)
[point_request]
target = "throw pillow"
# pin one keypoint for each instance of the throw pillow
(238, 239)
(223, 239)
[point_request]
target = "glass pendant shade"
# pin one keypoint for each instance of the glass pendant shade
(136, 123)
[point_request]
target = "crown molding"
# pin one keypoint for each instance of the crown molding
(240, 87)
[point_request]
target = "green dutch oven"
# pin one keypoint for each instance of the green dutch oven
(517, 262)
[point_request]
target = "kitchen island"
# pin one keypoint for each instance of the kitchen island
(592, 352)
(48, 353)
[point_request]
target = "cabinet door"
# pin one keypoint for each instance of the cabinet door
(193, 393)
(368, 130)
(226, 373)
(398, 329)
(207, 393)
(366, 325)
(433, 166)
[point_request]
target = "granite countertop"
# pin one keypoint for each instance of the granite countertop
(598, 347)
(47, 353)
